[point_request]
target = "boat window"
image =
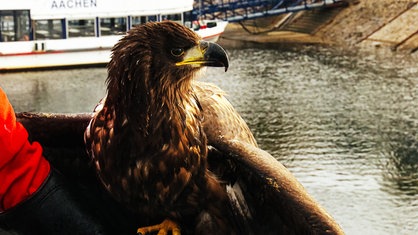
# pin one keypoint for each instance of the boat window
(137, 20)
(112, 26)
(81, 28)
(14, 25)
(173, 17)
(48, 29)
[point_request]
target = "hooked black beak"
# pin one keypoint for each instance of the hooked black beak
(206, 54)
(214, 55)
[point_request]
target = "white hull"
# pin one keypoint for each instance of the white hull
(51, 60)
(56, 53)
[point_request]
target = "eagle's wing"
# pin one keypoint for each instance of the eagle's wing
(221, 121)
(101, 132)
(229, 134)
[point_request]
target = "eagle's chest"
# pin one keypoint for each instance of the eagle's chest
(181, 143)
(164, 162)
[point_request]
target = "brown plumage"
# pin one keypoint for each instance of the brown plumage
(148, 143)
(147, 139)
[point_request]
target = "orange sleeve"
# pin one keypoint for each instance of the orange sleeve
(23, 169)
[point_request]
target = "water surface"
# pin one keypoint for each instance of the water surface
(345, 125)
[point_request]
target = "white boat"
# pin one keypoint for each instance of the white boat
(59, 33)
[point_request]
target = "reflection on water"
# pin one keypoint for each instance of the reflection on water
(346, 126)
(77, 90)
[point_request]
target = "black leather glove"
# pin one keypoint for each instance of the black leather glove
(57, 208)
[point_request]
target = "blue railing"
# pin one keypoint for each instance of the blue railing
(238, 10)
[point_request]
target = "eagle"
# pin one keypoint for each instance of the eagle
(153, 137)
(148, 136)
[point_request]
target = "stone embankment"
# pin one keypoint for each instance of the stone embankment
(366, 24)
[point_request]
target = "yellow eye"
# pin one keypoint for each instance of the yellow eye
(177, 52)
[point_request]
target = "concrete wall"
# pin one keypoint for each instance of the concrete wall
(376, 23)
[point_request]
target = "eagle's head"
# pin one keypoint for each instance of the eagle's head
(157, 59)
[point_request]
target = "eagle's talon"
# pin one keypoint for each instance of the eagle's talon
(163, 228)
